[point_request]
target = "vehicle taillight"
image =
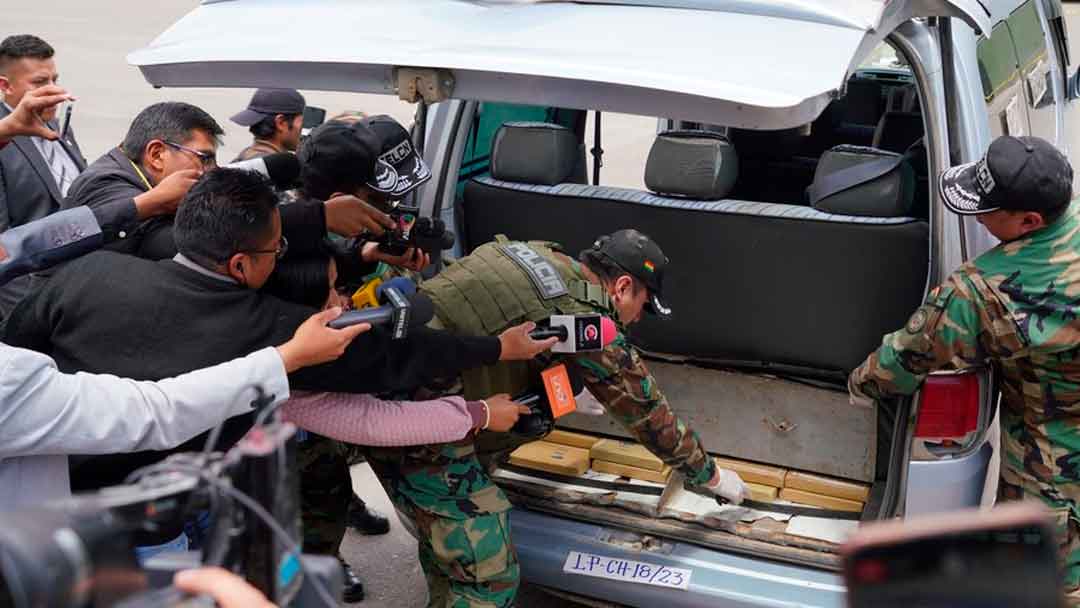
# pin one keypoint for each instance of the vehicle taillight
(948, 406)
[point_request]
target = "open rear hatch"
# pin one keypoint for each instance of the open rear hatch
(632, 56)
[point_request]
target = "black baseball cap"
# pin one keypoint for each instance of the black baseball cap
(1017, 173)
(642, 259)
(399, 169)
(339, 152)
(268, 102)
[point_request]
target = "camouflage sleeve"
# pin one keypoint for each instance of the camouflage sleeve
(945, 330)
(618, 378)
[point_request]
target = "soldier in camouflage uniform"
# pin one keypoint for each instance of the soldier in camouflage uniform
(443, 492)
(1015, 307)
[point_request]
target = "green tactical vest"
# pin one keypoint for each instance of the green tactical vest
(502, 284)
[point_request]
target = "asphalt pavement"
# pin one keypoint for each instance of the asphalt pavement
(92, 39)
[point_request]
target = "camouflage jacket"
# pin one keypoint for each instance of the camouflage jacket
(619, 379)
(1015, 307)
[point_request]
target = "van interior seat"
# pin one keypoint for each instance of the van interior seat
(563, 154)
(748, 281)
(903, 132)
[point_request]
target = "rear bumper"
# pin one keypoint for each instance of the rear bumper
(947, 485)
(719, 579)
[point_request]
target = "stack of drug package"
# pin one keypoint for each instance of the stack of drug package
(768, 483)
(572, 454)
(587, 457)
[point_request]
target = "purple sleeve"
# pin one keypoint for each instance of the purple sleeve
(368, 420)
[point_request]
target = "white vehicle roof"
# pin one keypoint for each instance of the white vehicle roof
(743, 63)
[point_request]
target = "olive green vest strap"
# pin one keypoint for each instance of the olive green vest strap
(588, 292)
(501, 238)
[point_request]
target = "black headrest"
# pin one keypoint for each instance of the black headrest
(854, 180)
(692, 164)
(534, 153)
(897, 131)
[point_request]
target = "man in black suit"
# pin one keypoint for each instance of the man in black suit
(35, 173)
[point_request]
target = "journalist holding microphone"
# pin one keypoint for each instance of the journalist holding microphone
(45, 414)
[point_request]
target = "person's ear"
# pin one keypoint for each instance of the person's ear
(154, 155)
(237, 266)
(281, 124)
(5, 85)
(1031, 221)
(624, 285)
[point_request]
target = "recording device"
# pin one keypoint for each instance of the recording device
(401, 312)
(577, 333)
(425, 233)
(65, 119)
(282, 169)
(1002, 558)
(547, 400)
(80, 551)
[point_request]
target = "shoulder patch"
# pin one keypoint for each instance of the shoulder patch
(917, 322)
(545, 278)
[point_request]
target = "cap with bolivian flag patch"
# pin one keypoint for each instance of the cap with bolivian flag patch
(642, 259)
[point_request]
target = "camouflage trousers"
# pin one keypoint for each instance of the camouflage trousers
(460, 519)
(1067, 528)
(325, 493)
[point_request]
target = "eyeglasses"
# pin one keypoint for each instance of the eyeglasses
(208, 159)
(282, 249)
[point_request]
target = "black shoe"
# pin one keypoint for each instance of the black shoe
(367, 521)
(354, 587)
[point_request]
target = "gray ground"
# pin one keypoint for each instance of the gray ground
(92, 39)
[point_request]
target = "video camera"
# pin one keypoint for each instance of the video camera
(428, 234)
(80, 551)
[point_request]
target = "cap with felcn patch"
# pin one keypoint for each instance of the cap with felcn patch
(399, 169)
(1017, 174)
(642, 259)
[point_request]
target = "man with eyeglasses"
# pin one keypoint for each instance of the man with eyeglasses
(136, 187)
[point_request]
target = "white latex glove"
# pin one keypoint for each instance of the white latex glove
(590, 407)
(728, 485)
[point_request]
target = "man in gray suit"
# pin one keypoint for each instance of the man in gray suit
(35, 173)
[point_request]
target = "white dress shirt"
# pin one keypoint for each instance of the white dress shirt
(46, 415)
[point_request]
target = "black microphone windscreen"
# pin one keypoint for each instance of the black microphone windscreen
(421, 309)
(283, 169)
(577, 383)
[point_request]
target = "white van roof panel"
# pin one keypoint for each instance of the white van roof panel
(630, 56)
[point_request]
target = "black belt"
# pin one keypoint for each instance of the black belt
(616, 486)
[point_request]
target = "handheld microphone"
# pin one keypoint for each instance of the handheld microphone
(407, 287)
(283, 168)
(401, 313)
(577, 333)
(541, 420)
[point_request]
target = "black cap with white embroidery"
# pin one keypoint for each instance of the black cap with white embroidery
(1017, 173)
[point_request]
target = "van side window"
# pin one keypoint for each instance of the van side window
(1030, 40)
(999, 72)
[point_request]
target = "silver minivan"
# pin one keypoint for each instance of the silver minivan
(787, 266)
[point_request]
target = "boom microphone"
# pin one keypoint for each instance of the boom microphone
(577, 333)
(402, 312)
(283, 168)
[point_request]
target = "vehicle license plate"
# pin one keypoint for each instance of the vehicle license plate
(627, 570)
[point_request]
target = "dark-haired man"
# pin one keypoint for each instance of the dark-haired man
(136, 187)
(35, 173)
(275, 118)
(1015, 308)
